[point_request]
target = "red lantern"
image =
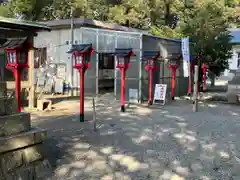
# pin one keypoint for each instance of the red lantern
(123, 63)
(151, 58)
(174, 61)
(82, 57)
(17, 58)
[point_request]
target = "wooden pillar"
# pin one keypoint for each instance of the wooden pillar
(31, 100)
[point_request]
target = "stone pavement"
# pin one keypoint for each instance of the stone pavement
(161, 143)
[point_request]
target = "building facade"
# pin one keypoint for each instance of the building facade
(234, 62)
(105, 38)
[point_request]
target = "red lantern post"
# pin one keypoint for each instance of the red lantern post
(123, 63)
(150, 58)
(82, 56)
(205, 68)
(17, 56)
(173, 68)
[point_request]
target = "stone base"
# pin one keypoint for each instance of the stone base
(44, 104)
(39, 169)
(21, 156)
(233, 98)
(7, 106)
(14, 124)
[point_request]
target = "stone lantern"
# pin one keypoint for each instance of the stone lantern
(17, 60)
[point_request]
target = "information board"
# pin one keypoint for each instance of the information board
(160, 94)
(133, 96)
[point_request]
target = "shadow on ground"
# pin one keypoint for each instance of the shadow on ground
(169, 143)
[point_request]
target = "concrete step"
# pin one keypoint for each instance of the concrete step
(14, 124)
(22, 140)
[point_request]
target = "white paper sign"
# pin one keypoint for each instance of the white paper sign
(160, 93)
(185, 49)
(133, 96)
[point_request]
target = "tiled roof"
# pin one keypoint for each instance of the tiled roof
(13, 43)
(92, 23)
(22, 25)
(80, 48)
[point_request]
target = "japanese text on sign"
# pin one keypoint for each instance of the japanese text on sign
(185, 49)
(160, 92)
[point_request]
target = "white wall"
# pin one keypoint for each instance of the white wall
(233, 61)
(55, 42)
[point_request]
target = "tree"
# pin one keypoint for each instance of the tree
(209, 36)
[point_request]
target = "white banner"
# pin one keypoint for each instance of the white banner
(185, 68)
(185, 49)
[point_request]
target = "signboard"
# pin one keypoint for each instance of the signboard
(185, 49)
(160, 93)
(133, 96)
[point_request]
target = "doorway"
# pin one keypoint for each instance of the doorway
(106, 73)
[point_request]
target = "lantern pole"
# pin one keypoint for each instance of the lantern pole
(17, 76)
(123, 72)
(82, 72)
(204, 77)
(150, 87)
(173, 68)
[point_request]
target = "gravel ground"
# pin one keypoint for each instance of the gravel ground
(158, 143)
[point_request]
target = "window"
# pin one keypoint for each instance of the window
(106, 62)
(40, 57)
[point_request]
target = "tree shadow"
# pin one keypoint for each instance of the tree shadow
(145, 143)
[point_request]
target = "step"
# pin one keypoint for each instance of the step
(21, 140)
(14, 124)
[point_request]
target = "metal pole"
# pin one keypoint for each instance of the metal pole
(189, 79)
(94, 115)
(195, 89)
(71, 44)
(123, 90)
(150, 87)
(140, 84)
(82, 71)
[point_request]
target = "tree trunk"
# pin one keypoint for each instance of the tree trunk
(212, 81)
(212, 77)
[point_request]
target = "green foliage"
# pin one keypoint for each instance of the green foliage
(165, 31)
(4, 11)
(205, 21)
(208, 32)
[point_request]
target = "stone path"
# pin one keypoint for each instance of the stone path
(163, 143)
